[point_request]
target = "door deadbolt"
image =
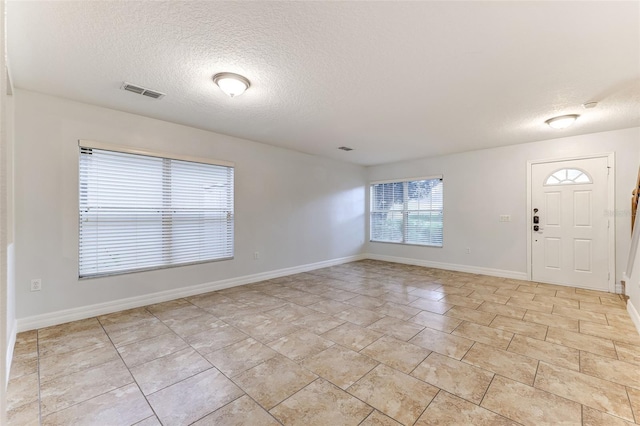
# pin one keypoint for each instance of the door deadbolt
(536, 219)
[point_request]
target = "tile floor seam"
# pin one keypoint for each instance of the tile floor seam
(132, 376)
(239, 387)
(479, 404)
(599, 378)
(535, 376)
(414, 368)
(454, 329)
(430, 402)
(208, 414)
(299, 390)
(546, 331)
(467, 351)
(633, 412)
(362, 278)
(146, 339)
(488, 409)
(513, 335)
(327, 380)
(369, 371)
(89, 399)
(356, 382)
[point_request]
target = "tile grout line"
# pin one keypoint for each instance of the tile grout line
(633, 412)
(486, 391)
(364, 293)
(97, 366)
(130, 373)
(427, 407)
(219, 408)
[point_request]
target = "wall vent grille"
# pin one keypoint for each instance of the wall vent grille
(142, 90)
(345, 148)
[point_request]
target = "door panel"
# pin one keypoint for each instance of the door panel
(571, 244)
(582, 208)
(553, 209)
(553, 253)
(582, 255)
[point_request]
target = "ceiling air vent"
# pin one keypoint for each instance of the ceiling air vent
(141, 90)
(345, 148)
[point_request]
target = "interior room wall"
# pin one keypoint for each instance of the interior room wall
(479, 186)
(633, 272)
(292, 208)
(7, 302)
(8, 198)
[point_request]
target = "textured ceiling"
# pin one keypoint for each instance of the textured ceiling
(393, 80)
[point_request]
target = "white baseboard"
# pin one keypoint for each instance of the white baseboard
(10, 347)
(633, 313)
(450, 266)
(74, 314)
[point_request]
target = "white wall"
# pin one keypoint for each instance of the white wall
(10, 239)
(481, 185)
(293, 208)
(633, 272)
(7, 301)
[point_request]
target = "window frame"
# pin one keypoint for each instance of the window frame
(405, 211)
(568, 181)
(89, 144)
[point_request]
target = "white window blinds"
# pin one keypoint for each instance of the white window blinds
(141, 212)
(407, 212)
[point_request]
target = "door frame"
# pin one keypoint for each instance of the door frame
(610, 156)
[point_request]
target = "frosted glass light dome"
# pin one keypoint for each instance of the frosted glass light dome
(562, 121)
(231, 84)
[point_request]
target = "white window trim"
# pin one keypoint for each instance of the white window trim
(376, 182)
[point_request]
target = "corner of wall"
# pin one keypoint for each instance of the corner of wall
(7, 312)
(516, 275)
(633, 313)
(12, 334)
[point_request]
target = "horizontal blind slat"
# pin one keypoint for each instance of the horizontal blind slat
(139, 212)
(407, 212)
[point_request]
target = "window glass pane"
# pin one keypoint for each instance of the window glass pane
(387, 196)
(408, 212)
(582, 179)
(386, 226)
(140, 212)
(567, 177)
(572, 174)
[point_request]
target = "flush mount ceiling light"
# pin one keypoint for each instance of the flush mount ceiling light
(231, 84)
(562, 121)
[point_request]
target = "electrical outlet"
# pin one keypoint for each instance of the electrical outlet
(256, 255)
(505, 218)
(468, 250)
(36, 284)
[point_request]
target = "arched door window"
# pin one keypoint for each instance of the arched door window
(568, 177)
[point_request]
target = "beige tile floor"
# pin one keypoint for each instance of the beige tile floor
(365, 343)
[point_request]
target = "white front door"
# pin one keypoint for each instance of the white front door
(569, 229)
